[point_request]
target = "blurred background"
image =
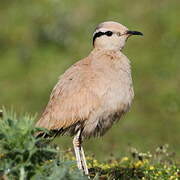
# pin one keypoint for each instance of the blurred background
(39, 40)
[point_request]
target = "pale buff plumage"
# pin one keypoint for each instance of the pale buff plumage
(94, 92)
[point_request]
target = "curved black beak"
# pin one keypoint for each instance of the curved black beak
(135, 33)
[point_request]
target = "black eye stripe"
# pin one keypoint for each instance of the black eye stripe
(98, 34)
(109, 33)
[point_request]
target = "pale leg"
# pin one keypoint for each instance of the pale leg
(76, 144)
(79, 152)
(84, 161)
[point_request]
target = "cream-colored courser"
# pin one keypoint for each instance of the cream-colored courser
(94, 92)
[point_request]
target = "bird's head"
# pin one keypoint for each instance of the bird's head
(112, 35)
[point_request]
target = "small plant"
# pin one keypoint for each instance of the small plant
(22, 156)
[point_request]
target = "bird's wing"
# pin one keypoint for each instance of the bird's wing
(72, 99)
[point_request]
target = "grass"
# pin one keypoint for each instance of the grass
(22, 156)
(160, 164)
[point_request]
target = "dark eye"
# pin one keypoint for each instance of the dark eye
(109, 33)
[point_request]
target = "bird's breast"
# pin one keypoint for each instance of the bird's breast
(119, 94)
(110, 80)
(115, 79)
(115, 101)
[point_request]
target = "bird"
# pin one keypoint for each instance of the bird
(93, 93)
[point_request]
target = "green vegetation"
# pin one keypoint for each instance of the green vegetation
(39, 40)
(22, 156)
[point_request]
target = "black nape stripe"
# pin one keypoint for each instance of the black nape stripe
(98, 34)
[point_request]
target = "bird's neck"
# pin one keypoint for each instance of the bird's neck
(109, 52)
(102, 55)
